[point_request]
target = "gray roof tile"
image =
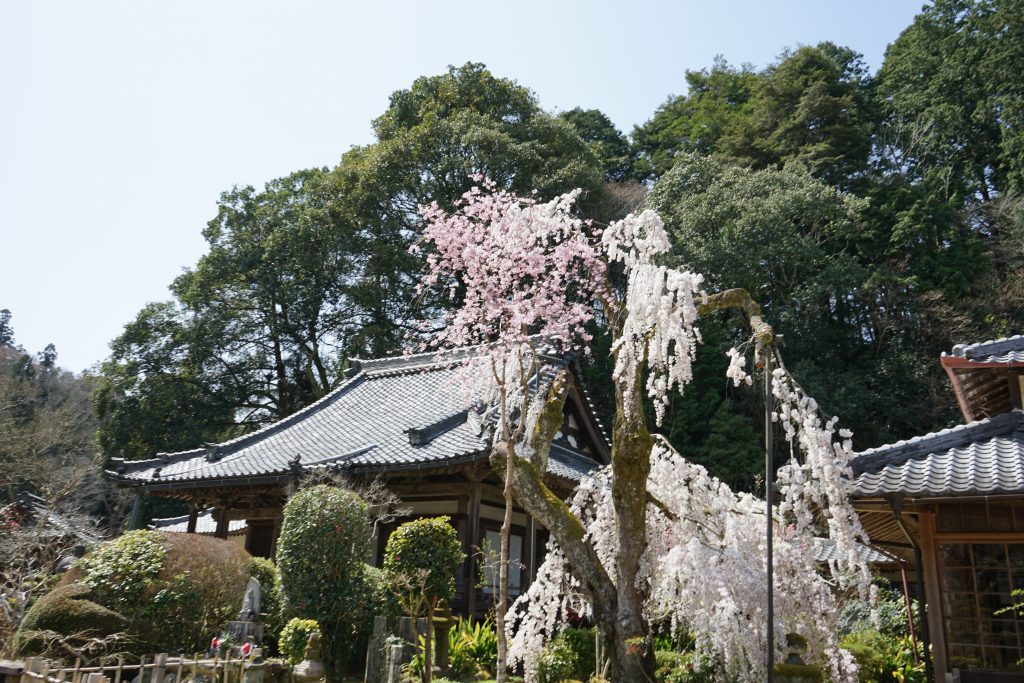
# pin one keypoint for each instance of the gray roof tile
(981, 458)
(407, 412)
(205, 524)
(1005, 350)
(825, 551)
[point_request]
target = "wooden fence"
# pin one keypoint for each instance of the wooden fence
(160, 669)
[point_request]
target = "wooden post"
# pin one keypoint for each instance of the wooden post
(159, 668)
(472, 538)
(75, 675)
(32, 665)
(193, 517)
(46, 671)
(119, 670)
(936, 627)
(375, 654)
(221, 515)
(395, 664)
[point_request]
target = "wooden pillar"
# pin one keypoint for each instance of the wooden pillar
(473, 540)
(193, 516)
(933, 594)
(221, 515)
(136, 517)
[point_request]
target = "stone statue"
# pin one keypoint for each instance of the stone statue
(251, 601)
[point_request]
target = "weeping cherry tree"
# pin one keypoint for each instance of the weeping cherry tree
(650, 539)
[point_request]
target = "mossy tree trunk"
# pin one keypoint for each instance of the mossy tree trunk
(617, 603)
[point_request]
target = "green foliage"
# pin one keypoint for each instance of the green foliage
(430, 546)
(120, 573)
(569, 655)
(716, 106)
(321, 553)
(276, 282)
(682, 667)
(174, 590)
(294, 637)
(472, 650)
(608, 144)
(882, 658)
(955, 103)
(890, 611)
(71, 611)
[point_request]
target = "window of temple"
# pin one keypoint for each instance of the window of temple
(983, 628)
(515, 562)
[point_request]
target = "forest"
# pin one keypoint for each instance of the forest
(876, 217)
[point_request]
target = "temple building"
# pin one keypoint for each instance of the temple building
(951, 504)
(403, 420)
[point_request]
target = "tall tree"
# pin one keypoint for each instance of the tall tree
(46, 429)
(256, 327)
(955, 96)
(432, 139)
(716, 105)
(609, 145)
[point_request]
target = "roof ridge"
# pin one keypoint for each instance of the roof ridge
(988, 348)
(942, 440)
(245, 439)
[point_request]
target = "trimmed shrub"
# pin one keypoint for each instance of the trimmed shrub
(321, 554)
(430, 545)
(420, 563)
(569, 655)
(174, 590)
(294, 637)
(68, 611)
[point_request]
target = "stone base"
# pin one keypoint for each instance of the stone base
(241, 631)
(308, 670)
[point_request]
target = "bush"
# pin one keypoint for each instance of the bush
(891, 610)
(68, 611)
(569, 655)
(294, 637)
(429, 545)
(474, 646)
(472, 651)
(683, 667)
(321, 554)
(174, 590)
(882, 658)
(420, 563)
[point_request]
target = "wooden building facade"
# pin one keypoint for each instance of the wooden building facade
(951, 504)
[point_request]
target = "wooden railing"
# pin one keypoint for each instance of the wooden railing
(161, 668)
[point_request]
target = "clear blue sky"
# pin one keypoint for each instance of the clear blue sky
(122, 122)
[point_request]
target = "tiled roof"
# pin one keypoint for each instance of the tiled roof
(402, 413)
(1005, 350)
(825, 551)
(205, 524)
(980, 458)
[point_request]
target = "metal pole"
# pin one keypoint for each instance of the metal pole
(768, 405)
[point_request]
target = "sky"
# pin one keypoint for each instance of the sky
(122, 122)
